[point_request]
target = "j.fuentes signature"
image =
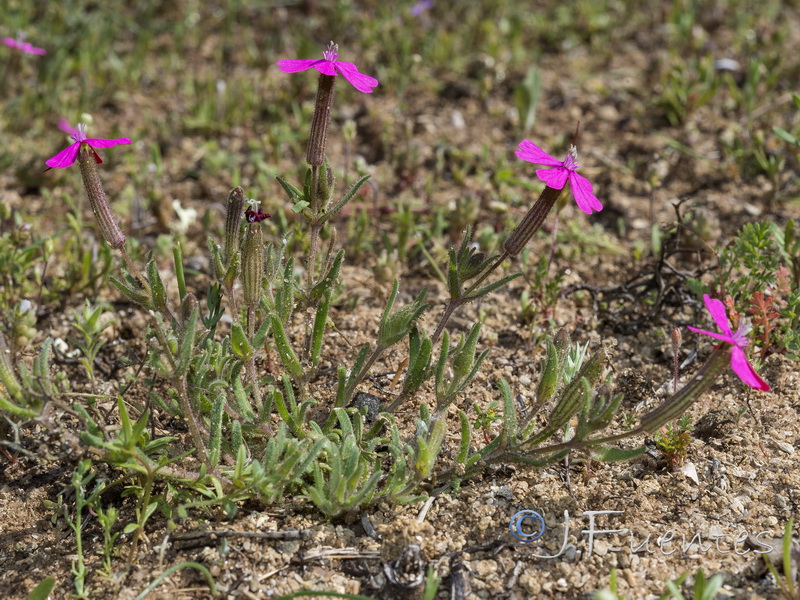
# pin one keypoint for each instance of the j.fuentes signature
(668, 543)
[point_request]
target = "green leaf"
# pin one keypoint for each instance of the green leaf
(346, 198)
(285, 351)
(466, 436)
(318, 330)
(610, 454)
(419, 362)
(239, 343)
(491, 287)
(300, 206)
(292, 192)
(453, 279)
(397, 326)
(510, 425)
(215, 431)
(330, 279)
(284, 296)
(187, 345)
(42, 591)
(549, 380)
(135, 295)
(157, 290)
(242, 401)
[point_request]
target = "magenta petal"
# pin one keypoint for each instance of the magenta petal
(582, 191)
(530, 152)
(742, 368)
(23, 46)
(64, 126)
(720, 336)
(363, 83)
(64, 158)
(555, 178)
(718, 313)
(326, 68)
(31, 49)
(294, 66)
(102, 143)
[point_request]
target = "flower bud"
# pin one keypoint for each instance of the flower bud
(252, 264)
(188, 306)
(7, 377)
(677, 338)
(97, 199)
(233, 219)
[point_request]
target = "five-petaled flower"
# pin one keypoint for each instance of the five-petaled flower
(69, 154)
(738, 340)
(331, 65)
(557, 177)
(20, 44)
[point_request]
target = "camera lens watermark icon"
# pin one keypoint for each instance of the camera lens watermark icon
(518, 531)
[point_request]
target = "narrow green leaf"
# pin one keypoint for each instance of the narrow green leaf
(292, 192)
(466, 436)
(491, 287)
(43, 590)
(157, 290)
(330, 278)
(318, 330)
(285, 351)
(510, 425)
(25, 413)
(237, 439)
(215, 431)
(137, 296)
(187, 345)
(549, 379)
(242, 401)
(239, 343)
(346, 198)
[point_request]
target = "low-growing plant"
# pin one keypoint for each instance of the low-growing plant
(261, 424)
(674, 440)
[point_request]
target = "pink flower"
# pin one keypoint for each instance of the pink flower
(738, 340)
(331, 65)
(420, 7)
(21, 44)
(69, 154)
(556, 178)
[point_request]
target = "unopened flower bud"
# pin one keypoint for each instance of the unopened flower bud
(252, 264)
(531, 222)
(233, 219)
(97, 199)
(677, 338)
(188, 306)
(7, 376)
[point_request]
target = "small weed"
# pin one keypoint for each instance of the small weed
(674, 441)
